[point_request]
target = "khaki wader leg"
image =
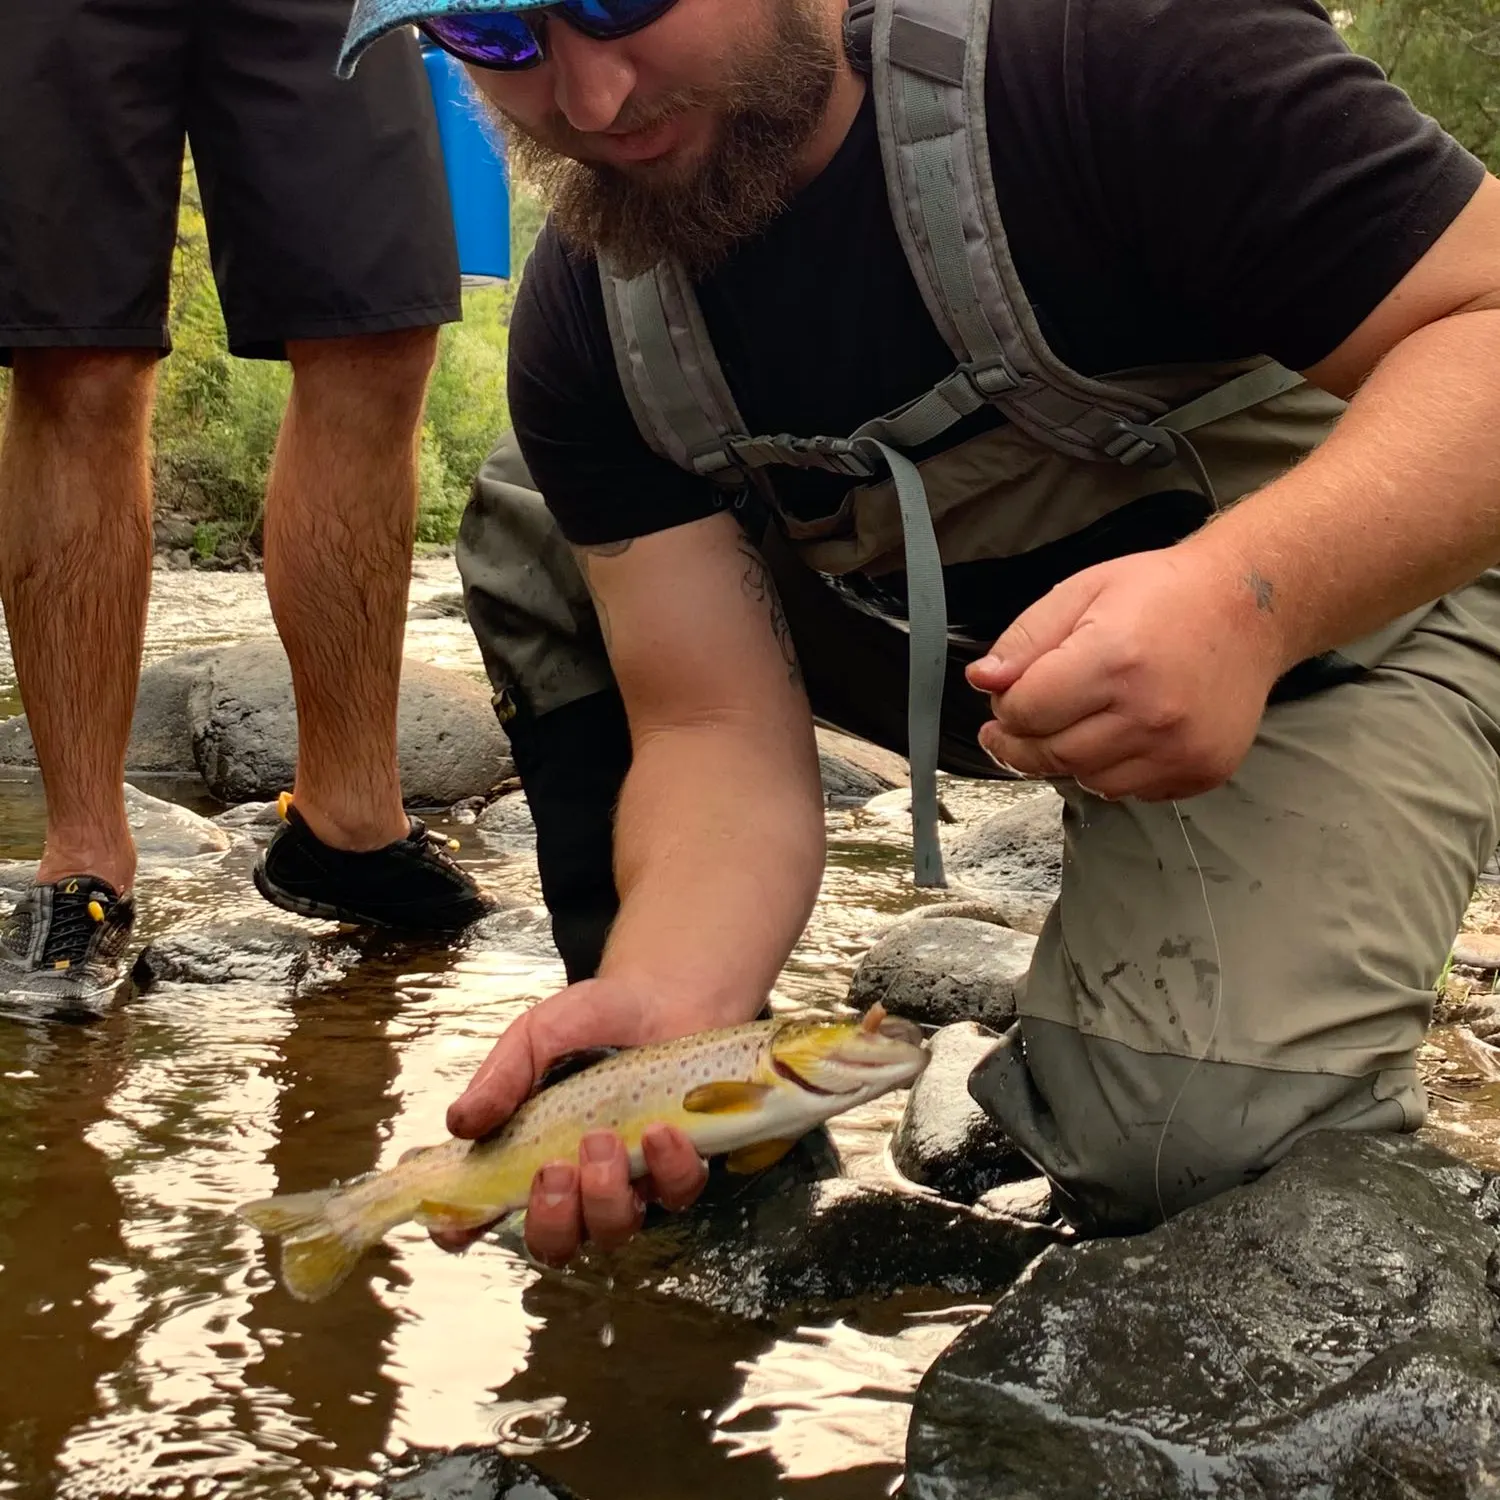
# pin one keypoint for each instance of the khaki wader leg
(1337, 866)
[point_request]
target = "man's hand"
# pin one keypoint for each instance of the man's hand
(1144, 677)
(592, 1197)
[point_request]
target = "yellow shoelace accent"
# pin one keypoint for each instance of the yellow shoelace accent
(96, 911)
(283, 802)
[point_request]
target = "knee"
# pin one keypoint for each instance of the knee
(95, 393)
(378, 380)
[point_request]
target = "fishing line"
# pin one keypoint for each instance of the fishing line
(1269, 1397)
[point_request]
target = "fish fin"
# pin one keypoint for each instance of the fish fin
(455, 1216)
(316, 1257)
(726, 1098)
(758, 1157)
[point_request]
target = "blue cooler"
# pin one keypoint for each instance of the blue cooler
(475, 163)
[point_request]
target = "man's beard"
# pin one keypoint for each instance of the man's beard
(765, 113)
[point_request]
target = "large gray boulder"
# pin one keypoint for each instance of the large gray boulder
(1016, 849)
(1329, 1330)
(227, 713)
(938, 970)
(945, 1141)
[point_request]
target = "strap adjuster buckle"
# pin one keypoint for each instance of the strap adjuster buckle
(991, 380)
(1141, 443)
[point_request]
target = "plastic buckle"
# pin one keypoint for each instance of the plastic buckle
(1141, 443)
(997, 379)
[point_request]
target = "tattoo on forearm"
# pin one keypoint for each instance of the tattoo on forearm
(1264, 591)
(760, 587)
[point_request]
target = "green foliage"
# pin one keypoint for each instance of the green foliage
(217, 417)
(1445, 54)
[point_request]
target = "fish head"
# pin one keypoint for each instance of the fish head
(853, 1059)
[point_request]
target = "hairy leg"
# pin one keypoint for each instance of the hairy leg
(75, 577)
(340, 513)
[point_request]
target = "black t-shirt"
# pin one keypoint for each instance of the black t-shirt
(1180, 180)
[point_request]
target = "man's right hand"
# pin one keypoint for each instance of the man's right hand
(593, 1197)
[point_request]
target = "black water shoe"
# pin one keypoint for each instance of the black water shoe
(60, 948)
(413, 885)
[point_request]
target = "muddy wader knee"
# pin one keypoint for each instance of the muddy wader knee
(554, 694)
(1179, 1030)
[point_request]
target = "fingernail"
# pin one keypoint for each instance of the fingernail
(557, 1185)
(599, 1147)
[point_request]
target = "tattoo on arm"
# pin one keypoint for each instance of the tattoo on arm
(761, 589)
(1264, 591)
(600, 549)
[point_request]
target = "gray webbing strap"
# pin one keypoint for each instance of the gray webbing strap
(928, 70)
(1239, 394)
(927, 647)
(670, 374)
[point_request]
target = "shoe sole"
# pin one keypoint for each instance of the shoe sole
(323, 911)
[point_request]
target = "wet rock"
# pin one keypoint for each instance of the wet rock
(885, 766)
(507, 826)
(514, 928)
(1477, 950)
(945, 1141)
(845, 783)
(165, 831)
(1029, 1199)
(444, 606)
(1016, 849)
(180, 560)
(819, 1245)
(266, 950)
(258, 817)
(171, 532)
(245, 729)
(1326, 1331)
(938, 970)
(1022, 911)
(471, 1473)
(894, 807)
(1480, 1013)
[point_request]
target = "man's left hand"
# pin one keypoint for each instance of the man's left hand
(1143, 677)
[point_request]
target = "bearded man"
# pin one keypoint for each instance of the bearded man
(1135, 361)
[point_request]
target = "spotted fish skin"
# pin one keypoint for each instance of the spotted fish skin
(727, 1091)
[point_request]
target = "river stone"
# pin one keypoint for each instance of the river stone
(845, 783)
(1326, 1331)
(1478, 950)
(165, 831)
(1024, 911)
(813, 1247)
(507, 825)
(471, 1473)
(937, 970)
(885, 766)
(245, 730)
(945, 1141)
(161, 733)
(265, 949)
(1016, 849)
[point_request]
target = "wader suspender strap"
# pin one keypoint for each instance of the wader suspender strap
(928, 67)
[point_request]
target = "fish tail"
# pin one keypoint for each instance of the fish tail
(317, 1254)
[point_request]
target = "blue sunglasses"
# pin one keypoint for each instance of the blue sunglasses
(507, 41)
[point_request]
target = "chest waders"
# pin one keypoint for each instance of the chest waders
(1072, 449)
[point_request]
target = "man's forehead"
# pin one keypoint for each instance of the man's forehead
(373, 18)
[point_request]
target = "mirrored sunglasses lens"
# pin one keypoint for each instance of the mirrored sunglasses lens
(603, 18)
(492, 40)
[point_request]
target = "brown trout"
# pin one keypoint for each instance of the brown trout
(749, 1091)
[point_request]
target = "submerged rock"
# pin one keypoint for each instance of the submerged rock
(815, 1246)
(165, 831)
(1016, 849)
(471, 1473)
(945, 1141)
(939, 969)
(268, 950)
(1326, 1331)
(507, 825)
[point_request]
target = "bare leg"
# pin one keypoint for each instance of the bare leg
(340, 513)
(75, 577)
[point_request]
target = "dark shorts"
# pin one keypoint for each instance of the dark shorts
(326, 203)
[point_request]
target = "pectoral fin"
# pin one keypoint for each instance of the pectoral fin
(758, 1157)
(724, 1098)
(453, 1216)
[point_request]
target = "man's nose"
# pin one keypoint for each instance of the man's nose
(591, 80)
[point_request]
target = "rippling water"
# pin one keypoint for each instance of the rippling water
(146, 1349)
